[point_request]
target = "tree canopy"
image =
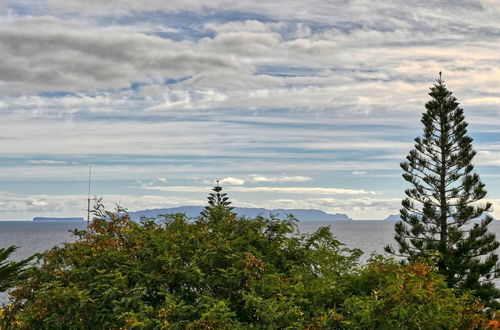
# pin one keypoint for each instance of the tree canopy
(437, 214)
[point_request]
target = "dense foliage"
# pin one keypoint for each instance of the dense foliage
(184, 274)
(10, 271)
(442, 202)
(388, 295)
(221, 271)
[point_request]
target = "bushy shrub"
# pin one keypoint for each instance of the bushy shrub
(388, 295)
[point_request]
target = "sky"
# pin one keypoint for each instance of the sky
(296, 104)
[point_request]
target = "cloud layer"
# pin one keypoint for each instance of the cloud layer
(270, 99)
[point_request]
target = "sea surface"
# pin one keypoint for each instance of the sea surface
(33, 237)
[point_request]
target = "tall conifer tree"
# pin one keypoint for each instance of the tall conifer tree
(436, 216)
(218, 206)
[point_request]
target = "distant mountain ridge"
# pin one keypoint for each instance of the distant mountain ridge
(250, 212)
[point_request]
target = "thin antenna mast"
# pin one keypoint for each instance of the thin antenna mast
(88, 198)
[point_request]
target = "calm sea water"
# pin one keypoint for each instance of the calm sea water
(33, 237)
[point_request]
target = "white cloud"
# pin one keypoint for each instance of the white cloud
(305, 190)
(244, 26)
(176, 188)
(488, 158)
(45, 162)
(283, 190)
(359, 172)
(260, 178)
(48, 54)
(232, 181)
(126, 6)
(242, 43)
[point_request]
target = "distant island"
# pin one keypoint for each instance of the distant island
(393, 217)
(47, 219)
(250, 212)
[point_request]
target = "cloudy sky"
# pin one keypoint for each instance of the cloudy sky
(296, 104)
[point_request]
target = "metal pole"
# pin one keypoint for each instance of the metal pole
(88, 198)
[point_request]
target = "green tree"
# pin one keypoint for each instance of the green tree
(218, 206)
(388, 295)
(437, 214)
(10, 271)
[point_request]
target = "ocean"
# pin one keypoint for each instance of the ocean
(33, 237)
